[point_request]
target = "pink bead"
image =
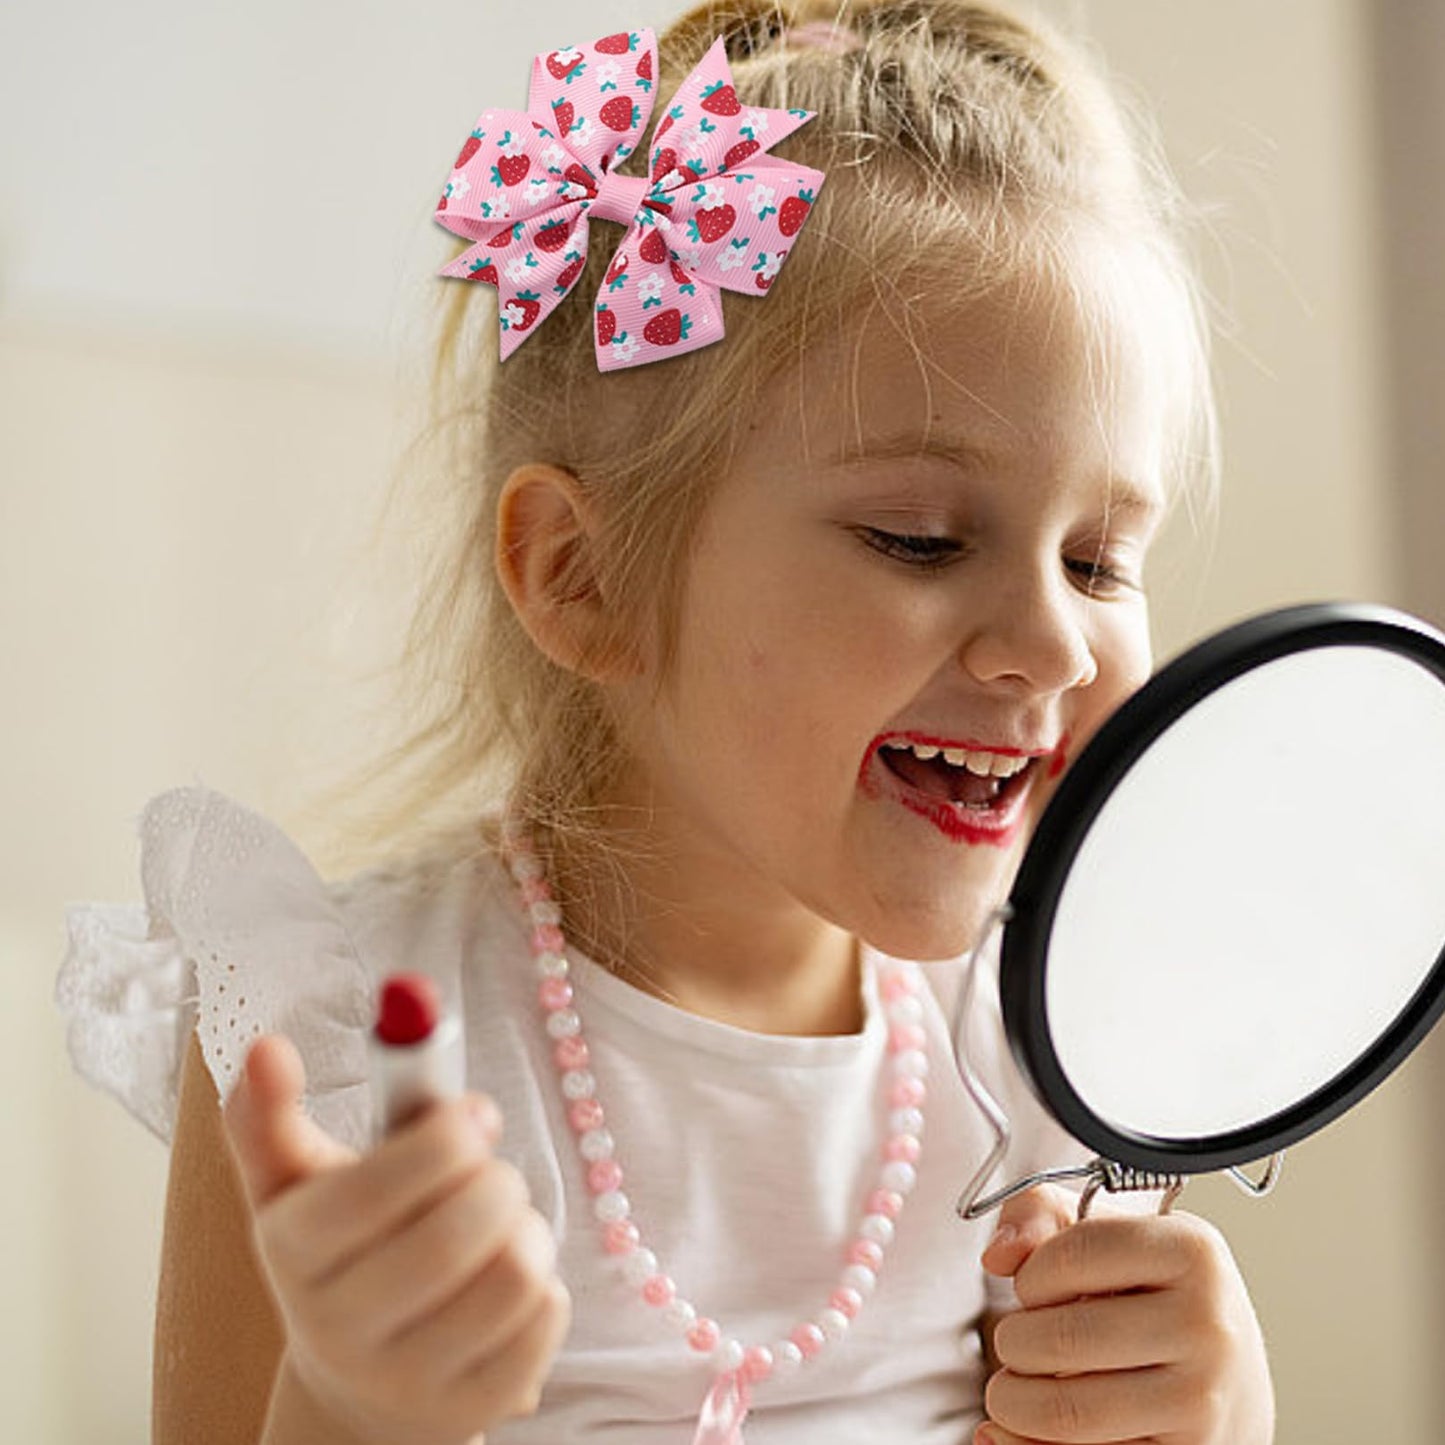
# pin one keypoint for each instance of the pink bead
(659, 1290)
(896, 985)
(571, 1053)
(548, 939)
(604, 1176)
(865, 1252)
(846, 1301)
(808, 1338)
(884, 1202)
(536, 890)
(757, 1363)
(907, 1093)
(620, 1237)
(703, 1336)
(902, 1146)
(586, 1114)
(905, 1036)
(554, 993)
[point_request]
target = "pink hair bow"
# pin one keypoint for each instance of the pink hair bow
(713, 212)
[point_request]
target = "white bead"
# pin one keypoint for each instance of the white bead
(728, 1355)
(787, 1357)
(552, 965)
(611, 1207)
(526, 868)
(833, 1323)
(911, 1064)
(906, 1121)
(859, 1277)
(546, 912)
(905, 1010)
(639, 1267)
(596, 1144)
(679, 1314)
(578, 1084)
(899, 1176)
(562, 1023)
(877, 1227)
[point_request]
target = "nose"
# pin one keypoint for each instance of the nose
(1032, 634)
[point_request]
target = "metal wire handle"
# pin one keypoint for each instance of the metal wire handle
(1098, 1173)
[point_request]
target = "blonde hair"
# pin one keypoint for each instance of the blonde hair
(973, 143)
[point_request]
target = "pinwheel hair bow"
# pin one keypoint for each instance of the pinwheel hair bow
(714, 210)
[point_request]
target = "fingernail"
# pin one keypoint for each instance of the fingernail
(1004, 1234)
(984, 1436)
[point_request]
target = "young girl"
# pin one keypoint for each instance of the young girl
(778, 648)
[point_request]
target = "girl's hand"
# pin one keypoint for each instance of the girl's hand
(416, 1283)
(1133, 1328)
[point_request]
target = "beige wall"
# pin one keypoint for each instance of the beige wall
(180, 513)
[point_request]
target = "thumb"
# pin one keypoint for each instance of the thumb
(1024, 1223)
(275, 1142)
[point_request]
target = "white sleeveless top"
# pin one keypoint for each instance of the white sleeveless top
(747, 1156)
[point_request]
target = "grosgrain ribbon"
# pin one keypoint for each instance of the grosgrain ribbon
(713, 213)
(720, 1421)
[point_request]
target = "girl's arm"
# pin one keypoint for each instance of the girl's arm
(218, 1337)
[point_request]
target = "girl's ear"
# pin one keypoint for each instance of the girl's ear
(546, 541)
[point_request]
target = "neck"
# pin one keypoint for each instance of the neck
(706, 933)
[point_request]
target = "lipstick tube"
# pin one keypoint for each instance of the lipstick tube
(415, 1051)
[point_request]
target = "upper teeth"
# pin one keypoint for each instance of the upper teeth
(986, 765)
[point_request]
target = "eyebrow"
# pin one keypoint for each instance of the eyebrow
(1123, 496)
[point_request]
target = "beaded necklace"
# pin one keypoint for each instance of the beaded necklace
(736, 1367)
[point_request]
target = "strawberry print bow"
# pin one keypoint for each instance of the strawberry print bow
(713, 212)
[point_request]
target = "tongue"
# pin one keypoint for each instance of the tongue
(940, 779)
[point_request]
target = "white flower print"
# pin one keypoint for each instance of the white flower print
(771, 264)
(731, 259)
(571, 191)
(607, 74)
(511, 147)
(553, 156)
(761, 197)
(497, 210)
(624, 347)
(711, 196)
(689, 257)
(649, 288)
(513, 314)
(517, 270)
(755, 121)
(580, 130)
(458, 187)
(536, 191)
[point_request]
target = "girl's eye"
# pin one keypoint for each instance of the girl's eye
(1102, 575)
(925, 553)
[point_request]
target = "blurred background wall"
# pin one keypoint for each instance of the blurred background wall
(214, 230)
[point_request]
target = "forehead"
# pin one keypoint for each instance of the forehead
(1038, 375)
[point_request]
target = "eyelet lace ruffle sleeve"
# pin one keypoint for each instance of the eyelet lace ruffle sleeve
(238, 936)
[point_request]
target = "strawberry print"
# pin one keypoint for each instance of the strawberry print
(512, 164)
(667, 328)
(553, 236)
(653, 249)
(578, 175)
(644, 69)
(620, 114)
(685, 283)
(739, 153)
(521, 311)
(663, 161)
(617, 272)
(506, 236)
(565, 64)
(713, 224)
(606, 325)
(485, 271)
(793, 212)
(767, 268)
(469, 148)
(674, 114)
(720, 98)
(618, 44)
(570, 272)
(563, 114)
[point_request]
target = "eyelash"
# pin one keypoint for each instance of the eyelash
(932, 554)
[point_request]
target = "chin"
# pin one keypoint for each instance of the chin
(931, 935)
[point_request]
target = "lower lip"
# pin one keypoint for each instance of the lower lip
(957, 822)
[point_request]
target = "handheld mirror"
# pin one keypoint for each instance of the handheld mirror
(1229, 925)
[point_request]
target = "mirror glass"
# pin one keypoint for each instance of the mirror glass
(1253, 898)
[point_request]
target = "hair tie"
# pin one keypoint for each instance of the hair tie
(823, 35)
(713, 212)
